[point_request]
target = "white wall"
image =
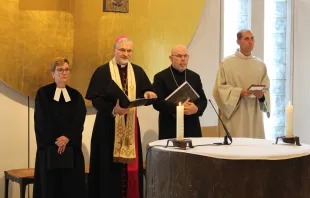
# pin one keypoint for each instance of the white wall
(13, 134)
(301, 71)
(205, 53)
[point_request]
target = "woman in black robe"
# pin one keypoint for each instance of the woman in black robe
(59, 118)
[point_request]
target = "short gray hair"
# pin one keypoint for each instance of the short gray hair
(122, 40)
(240, 33)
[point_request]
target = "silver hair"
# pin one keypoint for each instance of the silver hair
(123, 40)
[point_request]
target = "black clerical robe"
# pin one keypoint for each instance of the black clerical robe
(108, 178)
(54, 119)
(165, 82)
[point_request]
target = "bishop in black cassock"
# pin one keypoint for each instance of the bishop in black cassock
(165, 82)
(113, 173)
(59, 118)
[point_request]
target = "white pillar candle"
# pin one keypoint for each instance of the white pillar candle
(180, 122)
(289, 120)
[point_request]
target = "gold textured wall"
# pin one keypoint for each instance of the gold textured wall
(33, 32)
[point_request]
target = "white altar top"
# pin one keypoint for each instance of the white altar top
(240, 149)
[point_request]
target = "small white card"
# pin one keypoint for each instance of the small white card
(254, 87)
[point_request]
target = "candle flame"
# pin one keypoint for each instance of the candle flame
(180, 103)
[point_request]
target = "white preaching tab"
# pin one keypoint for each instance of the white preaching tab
(64, 92)
(57, 94)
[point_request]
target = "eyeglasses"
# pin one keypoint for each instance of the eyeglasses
(123, 50)
(61, 70)
(181, 56)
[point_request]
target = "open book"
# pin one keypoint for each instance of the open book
(113, 91)
(254, 87)
(182, 93)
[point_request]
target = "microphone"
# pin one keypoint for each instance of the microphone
(226, 130)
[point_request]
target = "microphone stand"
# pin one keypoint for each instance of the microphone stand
(227, 136)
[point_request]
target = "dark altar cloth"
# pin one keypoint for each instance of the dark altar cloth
(185, 175)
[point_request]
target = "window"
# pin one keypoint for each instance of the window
(275, 51)
(236, 17)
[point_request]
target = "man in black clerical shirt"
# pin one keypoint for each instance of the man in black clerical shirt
(165, 82)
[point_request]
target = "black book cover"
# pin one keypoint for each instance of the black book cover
(56, 160)
(115, 92)
(182, 93)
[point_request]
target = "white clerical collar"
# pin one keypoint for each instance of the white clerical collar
(241, 55)
(64, 93)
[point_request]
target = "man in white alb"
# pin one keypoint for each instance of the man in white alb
(241, 109)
